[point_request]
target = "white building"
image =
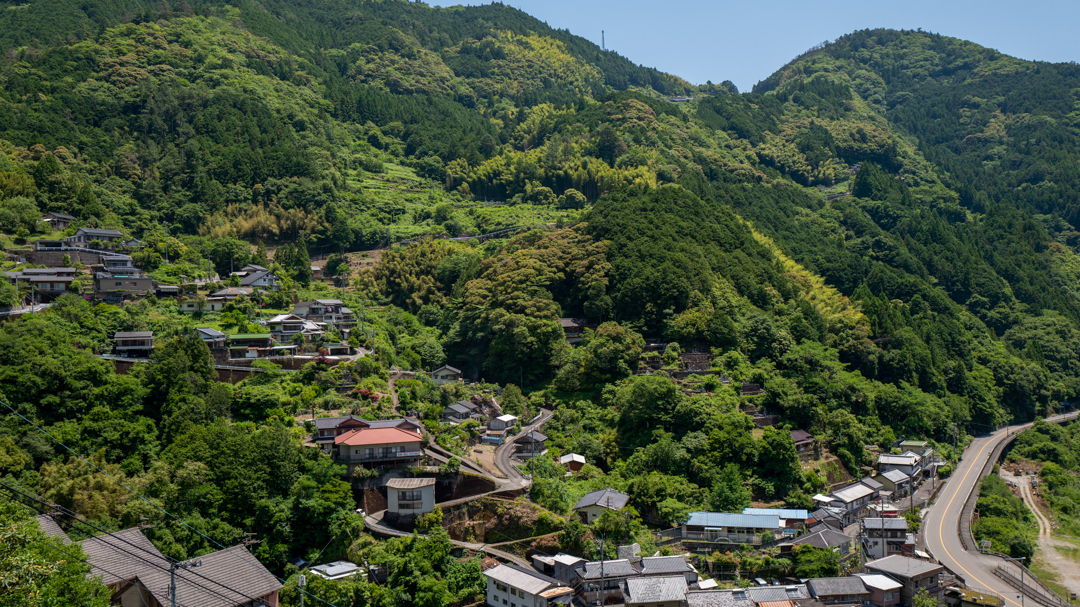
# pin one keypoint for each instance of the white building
(502, 422)
(510, 585)
(410, 496)
(446, 375)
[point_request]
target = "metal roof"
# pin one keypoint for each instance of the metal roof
(896, 476)
(786, 514)
(238, 575)
(715, 598)
(409, 483)
(894, 523)
(836, 586)
(612, 569)
(724, 519)
(607, 498)
(826, 538)
(522, 579)
(869, 482)
(656, 589)
(654, 565)
(897, 460)
(132, 334)
(878, 581)
(903, 566)
(852, 493)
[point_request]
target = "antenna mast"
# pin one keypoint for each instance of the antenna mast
(603, 44)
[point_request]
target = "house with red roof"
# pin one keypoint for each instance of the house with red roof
(370, 447)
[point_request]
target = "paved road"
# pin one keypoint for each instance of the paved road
(375, 523)
(940, 524)
(514, 478)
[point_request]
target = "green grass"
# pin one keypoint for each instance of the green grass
(1049, 577)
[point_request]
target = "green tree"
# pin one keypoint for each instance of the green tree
(729, 494)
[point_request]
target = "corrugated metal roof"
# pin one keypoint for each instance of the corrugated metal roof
(786, 514)
(852, 493)
(522, 579)
(895, 523)
(654, 565)
(725, 519)
(896, 476)
(878, 581)
(409, 483)
(836, 586)
(903, 566)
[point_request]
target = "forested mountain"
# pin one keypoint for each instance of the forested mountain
(882, 235)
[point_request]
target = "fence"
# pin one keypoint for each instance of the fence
(1012, 573)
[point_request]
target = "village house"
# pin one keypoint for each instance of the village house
(408, 498)
(918, 447)
(249, 269)
(574, 462)
(231, 293)
(804, 443)
(573, 329)
(133, 344)
(512, 585)
(531, 444)
(884, 591)
(895, 482)
(825, 538)
(666, 591)
(886, 537)
(137, 573)
(446, 375)
(248, 345)
(394, 448)
(791, 520)
(914, 574)
(328, 311)
(83, 237)
(214, 339)
(727, 527)
(503, 422)
(43, 283)
(595, 503)
(285, 327)
(668, 565)
(831, 517)
(460, 411)
(838, 590)
(603, 582)
(212, 304)
(874, 485)
(329, 428)
(263, 279)
(57, 221)
(852, 500)
(122, 281)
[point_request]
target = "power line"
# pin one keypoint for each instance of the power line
(159, 508)
(73, 515)
(70, 554)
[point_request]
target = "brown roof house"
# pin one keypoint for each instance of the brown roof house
(138, 574)
(804, 443)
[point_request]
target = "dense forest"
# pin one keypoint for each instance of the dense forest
(880, 237)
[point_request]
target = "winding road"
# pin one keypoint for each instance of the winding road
(514, 480)
(940, 522)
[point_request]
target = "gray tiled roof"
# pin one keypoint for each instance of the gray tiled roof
(238, 578)
(534, 436)
(656, 589)
(393, 423)
(826, 538)
(612, 569)
(99, 232)
(132, 334)
(255, 276)
(326, 423)
(49, 526)
(777, 593)
(123, 555)
(653, 565)
(836, 586)
(896, 476)
(869, 482)
(608, 498)
(715, 598)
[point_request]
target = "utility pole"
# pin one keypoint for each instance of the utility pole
(172, 576)
(1022, 558)
(602, 589)
(300, 584)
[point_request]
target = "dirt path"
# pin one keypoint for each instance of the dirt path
(1068, 571)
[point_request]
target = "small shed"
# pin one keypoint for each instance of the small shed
(503, 422)
(573, 461)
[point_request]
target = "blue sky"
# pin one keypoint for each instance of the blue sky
(746, 41)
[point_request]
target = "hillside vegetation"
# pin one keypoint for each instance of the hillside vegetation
(881, 237)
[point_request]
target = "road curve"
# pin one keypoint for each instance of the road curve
(940, 524)
(514, 478)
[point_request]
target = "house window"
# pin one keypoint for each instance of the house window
(118, 284)
(888, 595)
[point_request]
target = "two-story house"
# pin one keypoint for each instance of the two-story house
(914, 574)
(895, 482)
(328, 311)
(133, 344)
(886, 537)
(884, 591)
(910, 463)
(380, 447)
(214, 339)
(531, 444)
(513, 586)
(446, 375)
(603, 582)
(263, 279)
(853, 501)
(408, 498)
(285, 327)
